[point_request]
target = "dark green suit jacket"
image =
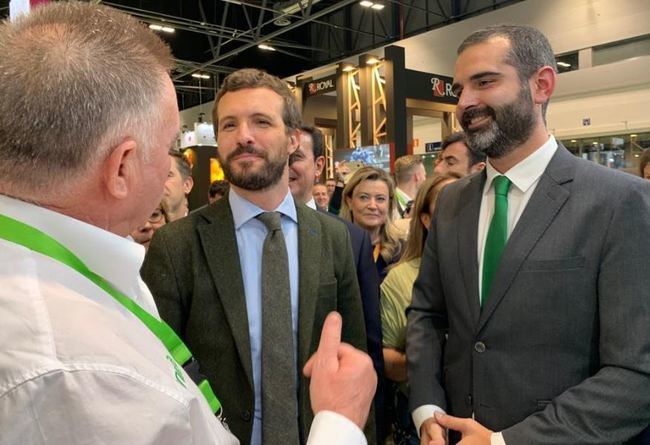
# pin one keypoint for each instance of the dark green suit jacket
(193, 270)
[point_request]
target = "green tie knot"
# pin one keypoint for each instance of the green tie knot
(501, 185)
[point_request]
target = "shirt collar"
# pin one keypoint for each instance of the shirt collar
(311, 204)
(244, 210)
(528, 171)
(402, 195)
(117, 259)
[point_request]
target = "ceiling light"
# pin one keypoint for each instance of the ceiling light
(200, 76)
(564, 64)
(366, 3)
(166, 29)
(574, 141)
(347, 67)
(633, 135)
(265, 47)
(378, 6)
(372, 61)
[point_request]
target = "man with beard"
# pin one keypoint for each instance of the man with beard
(251, 325)
(534, 271)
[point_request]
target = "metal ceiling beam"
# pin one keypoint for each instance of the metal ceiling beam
(321, 13)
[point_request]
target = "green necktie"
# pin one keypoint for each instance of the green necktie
(497, 235)
(279, 392)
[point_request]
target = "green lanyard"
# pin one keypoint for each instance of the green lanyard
(33, 239)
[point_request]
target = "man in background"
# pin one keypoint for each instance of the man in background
(409, 175)
(217, 190)
(322, 199)
(178, 185)
(456, 157)
(305, 164)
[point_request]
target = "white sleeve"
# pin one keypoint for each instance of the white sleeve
(110, 406)
(422, 413)
(497, 439)
(330, 428)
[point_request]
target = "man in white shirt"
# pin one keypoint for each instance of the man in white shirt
(526, 326)
(409, 176)
(77, 366)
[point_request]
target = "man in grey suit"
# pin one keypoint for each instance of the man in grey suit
(536, 269)
(206, 271)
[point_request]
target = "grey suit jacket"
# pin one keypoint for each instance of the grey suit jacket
(193, 270)
(560, 354)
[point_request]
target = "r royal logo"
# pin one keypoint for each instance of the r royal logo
(440, 88)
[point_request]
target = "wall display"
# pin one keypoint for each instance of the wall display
(375, 155)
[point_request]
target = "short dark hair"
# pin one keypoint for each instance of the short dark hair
(644, 160)
(182, 164)
(529, 51)
(475, 156)
(318, 141)
(254, 78)
(218, 187)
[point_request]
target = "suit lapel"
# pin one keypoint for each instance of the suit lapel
(470, 205)
(309, 246)
(219, 245)
(544, 205)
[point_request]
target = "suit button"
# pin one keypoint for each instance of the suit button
(468, 400)
(246, 415)
(479, 347)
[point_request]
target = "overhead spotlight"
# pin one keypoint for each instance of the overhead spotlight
(372, 61)
(563, 64)
(200, 76)
(373, 5)
(166, 29)
(633, 135)
(265, 47)
(347, 67)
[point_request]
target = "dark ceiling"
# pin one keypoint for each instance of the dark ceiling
(215, 37)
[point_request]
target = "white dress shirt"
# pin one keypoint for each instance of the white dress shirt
(524, 177)
(76, 367)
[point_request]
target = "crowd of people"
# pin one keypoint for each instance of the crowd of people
(503, 299)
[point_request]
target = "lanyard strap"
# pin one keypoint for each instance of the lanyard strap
(27, 236)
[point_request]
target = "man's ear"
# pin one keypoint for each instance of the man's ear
(320, 163)
(187, 185)
(120, 168)
(543, 84)
(294, 140)
(477, 167)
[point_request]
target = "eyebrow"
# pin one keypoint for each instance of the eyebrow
(456, 86)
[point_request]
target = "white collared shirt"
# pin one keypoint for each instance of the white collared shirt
(76, 367)
(524, 177)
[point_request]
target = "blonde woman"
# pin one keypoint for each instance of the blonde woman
(396, 296)
(369, 202)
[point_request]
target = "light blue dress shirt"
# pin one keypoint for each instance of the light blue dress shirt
(250, 234)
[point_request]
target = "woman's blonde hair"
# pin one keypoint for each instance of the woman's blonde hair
(424, 202)
(389, 235)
